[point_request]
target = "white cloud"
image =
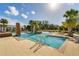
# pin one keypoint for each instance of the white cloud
(33, 12)
(24, 16)
(12, 10)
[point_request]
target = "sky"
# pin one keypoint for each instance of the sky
(24, 12)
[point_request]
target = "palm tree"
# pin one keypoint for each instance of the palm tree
(35, 25)
(44, 25)
(71, 20)
(24, 28)
(4, 23)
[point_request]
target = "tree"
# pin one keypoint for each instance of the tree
(4, 23)
(24, 28)
(44, 25)
(64, 26)
(71, 20)
(52, 27)
(35, 25)
(28, 28)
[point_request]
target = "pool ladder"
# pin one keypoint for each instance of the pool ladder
(38, 44)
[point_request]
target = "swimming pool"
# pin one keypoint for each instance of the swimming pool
(44, 38)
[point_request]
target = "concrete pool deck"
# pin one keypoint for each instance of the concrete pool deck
(9, 46)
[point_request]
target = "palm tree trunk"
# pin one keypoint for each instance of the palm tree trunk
(34, 29)
(70, 33)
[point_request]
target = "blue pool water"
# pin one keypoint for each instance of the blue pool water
(44, 38)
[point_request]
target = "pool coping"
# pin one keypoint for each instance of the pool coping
(65, 43)
(63, 46)
(35, 41)
(57, 49)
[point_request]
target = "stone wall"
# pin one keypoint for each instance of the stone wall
(5, 34)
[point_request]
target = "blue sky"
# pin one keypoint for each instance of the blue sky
(23, 12)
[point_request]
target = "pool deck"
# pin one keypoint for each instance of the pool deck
(9, 46)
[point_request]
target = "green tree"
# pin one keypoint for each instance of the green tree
(71, 20)
(24, 28)
(4, 23)
(35, 25)
(44, 25)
